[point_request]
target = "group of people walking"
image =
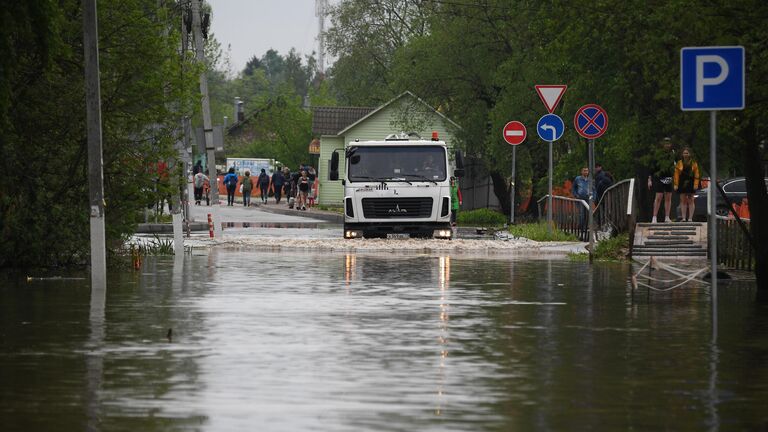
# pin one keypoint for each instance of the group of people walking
(299, 188)
(668, 174)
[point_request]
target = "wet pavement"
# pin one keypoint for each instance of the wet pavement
(351, 341)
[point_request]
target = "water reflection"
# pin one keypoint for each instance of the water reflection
(357, 341)
(94, 360)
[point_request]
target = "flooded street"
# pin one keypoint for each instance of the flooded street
(323, 340)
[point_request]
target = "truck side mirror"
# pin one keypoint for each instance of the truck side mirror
(459, 158)
(334, 172)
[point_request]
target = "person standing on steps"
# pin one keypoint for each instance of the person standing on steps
(660, 180)
(230, 182)
(686, 181)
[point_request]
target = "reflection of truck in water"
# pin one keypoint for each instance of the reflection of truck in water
(397, 186)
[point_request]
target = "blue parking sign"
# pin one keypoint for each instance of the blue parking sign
(712, 78)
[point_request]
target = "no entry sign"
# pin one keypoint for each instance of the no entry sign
(514, 132)
(591, 121)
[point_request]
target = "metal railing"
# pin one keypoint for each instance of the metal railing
(614, 213)
(733, 246)
(569, 215)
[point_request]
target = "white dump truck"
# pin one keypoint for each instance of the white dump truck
(397, 186)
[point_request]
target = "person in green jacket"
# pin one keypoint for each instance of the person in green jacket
(247, 183)
(455, 200)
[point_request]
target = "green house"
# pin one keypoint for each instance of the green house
(339, 125)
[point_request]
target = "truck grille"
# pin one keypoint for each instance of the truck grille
(392, 208)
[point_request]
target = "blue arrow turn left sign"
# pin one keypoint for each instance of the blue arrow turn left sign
(550, 127)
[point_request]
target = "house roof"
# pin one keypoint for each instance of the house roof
(331, 120)
(403, 94)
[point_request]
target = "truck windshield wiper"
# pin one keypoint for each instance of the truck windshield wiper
(357, 178)
(422, 177)
(398, 179)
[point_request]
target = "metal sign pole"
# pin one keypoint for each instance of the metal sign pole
(512, 189)
(712, 212)
(549, 199)
(591, 197)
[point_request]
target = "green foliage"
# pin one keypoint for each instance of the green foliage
(278, 129)
(273, 89)
(481, 218)
(44, 195)
(157, 246)
(539, 232)
(479, 65)
(612, 249)
(334, 209)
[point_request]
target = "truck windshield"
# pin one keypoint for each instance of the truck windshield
(396, 162)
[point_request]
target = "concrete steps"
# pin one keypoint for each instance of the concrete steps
(670, 240)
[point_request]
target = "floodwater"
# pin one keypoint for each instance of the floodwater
(304, 340)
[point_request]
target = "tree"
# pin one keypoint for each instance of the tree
(477, 62)
(44, 200)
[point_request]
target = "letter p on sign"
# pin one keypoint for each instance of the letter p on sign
(712, 78)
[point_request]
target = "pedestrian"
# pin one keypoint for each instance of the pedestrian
(294, 188)
(301, 196)
(230, 182)
(287, 184)
(580, 190)
(312, 176)
(207, 190)
(455, 200)
(199, 183)
(277, 183)
(264, 185)
(247, 183)
(686, 181)
(198, 167)
(603, 180)
(660, 180)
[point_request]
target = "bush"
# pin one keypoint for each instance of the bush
(481, 217)
(538, 232)
(612, 249)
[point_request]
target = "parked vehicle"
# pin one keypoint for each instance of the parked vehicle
(735, 189)
(396, 186)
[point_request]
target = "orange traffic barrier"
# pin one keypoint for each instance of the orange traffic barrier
(210, 225)
(744, 209)
(735, 210)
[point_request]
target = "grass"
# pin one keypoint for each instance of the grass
(612, 249)
(481, 218)
(334, 209)
(539, 232)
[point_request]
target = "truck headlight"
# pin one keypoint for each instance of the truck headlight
(351, 234)
(442, 233)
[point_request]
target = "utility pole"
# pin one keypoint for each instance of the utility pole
(95, 160)
(321, 6)
(207, 125)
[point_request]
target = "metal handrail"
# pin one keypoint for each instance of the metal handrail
(614, 211)
(563, 198)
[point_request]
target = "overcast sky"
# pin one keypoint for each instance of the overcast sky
(251, 27)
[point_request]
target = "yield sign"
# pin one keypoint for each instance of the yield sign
(551, 95)
(514, 133)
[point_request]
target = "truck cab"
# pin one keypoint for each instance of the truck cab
(397, 186)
